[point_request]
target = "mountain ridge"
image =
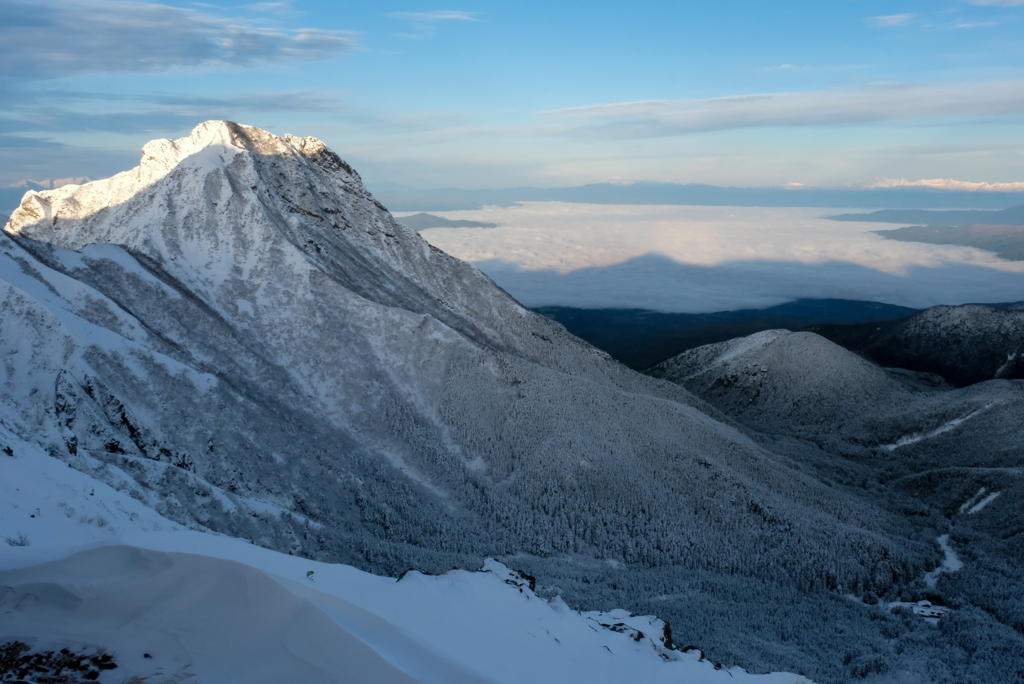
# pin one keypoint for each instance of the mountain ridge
(965, 344)
(240, 335)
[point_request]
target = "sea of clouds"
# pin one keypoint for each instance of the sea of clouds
(700, 259)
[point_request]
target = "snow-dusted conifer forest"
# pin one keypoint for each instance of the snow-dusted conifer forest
(241, 355)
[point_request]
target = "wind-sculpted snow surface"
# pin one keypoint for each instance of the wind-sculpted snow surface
(99, 571)
(237, 333)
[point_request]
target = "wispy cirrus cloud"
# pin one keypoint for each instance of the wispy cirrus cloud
(437, 15)
(103, 36)
(890, 20)
(886, 102)
(425, 23)
(68, 111)
(997, 3)
(974, 24)
(285, 6)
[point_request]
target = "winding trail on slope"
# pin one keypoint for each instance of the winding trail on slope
(950, 563)
(919, 436)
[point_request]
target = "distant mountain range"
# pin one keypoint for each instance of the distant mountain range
(11, 196)
(403, 198)
(1001, 232)
(423, 221)
(28, 184)
(1012, 216)
(1006, 241)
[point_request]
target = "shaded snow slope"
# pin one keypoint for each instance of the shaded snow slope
(240, 310)
(781, 382)
(964, 344)
(777, 377)
(237, 334)
(950, 459)
(158, 598)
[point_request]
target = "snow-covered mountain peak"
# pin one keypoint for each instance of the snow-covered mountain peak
(228, 137)
(190, 173)
(166, 154)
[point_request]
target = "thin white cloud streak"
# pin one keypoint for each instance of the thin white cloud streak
(699, 259)
(891, 20)
(944, 184)
(888, 102)
(997, 3)
(104, 36)
(271, 6)
(439, 15)
(974, 24)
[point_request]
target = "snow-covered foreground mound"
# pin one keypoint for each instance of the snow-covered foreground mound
(102, 571)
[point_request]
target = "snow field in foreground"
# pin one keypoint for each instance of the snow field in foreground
(101, 570)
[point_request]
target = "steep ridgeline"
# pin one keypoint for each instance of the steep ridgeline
(950, 458)
(964, 344)
(239, 334)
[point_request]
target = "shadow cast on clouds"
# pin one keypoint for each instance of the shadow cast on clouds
(659, 283)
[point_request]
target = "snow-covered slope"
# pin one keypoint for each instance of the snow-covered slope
(964, 344)
(101, 571)
(802, 384)
(951, 459)
(239, 336)
(241, 313)
(776, 376)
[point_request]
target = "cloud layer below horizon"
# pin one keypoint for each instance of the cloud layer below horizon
(702, 259)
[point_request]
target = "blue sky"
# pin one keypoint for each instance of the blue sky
(501, 94)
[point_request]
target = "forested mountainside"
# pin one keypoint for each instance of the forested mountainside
(237, 333)
(641, 339)
(955, 455)
(964, 344)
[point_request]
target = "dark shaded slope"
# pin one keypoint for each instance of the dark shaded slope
(640, 339)
(964, 344)
(949, 459)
